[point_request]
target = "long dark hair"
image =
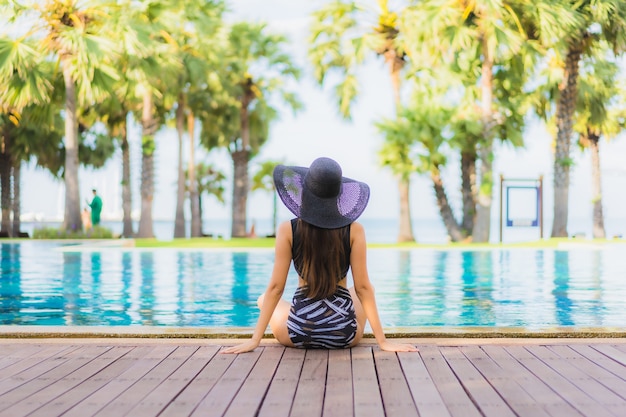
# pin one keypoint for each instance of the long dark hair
(321, 251)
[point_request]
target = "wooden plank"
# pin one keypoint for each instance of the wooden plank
(91, 404)
(9, 354)
(188, 400)
(452, 392)
(513, 394)
(541, 393)
(50, 355)
(613, 353)
(142, 387)
(43, 376)
(249, 398)
(609, 379)
(397, 399)
(78, 393)
(216, 402)
(481, 392)
(309, 398)
(153, 403)
(566, 367)
(367, 397)
(620, 347)
(279, 397)
(83, 378)
(601, 360)
(6, 349)
(339, 397)
(423, 390)
(566, 389)
(46, 394)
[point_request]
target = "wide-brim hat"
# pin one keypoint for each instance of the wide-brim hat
(320, 195)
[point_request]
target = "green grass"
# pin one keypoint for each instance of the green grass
(96, 232)
(245, 243)
(205, 242)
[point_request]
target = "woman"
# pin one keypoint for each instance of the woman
(323, 241)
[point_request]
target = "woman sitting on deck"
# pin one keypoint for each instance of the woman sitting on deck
(323, 241)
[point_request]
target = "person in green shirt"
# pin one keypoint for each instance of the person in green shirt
(96, 208)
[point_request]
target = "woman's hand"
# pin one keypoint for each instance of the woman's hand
(397, 347)
(247, 346)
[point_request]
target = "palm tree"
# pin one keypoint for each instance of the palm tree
(599, 112)
(264, 180)
(134, 35)
(76, 34)
(114, 112)
(597, 20)
(594, 118)
(479, 38)
(339, 43)
(26, 115)
(256, 71)
(209, 180)
(424, 127)
(193, 29)
(152, 72)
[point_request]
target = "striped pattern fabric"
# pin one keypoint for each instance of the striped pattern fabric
(327, 323)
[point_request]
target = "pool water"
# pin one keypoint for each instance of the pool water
(44, 283)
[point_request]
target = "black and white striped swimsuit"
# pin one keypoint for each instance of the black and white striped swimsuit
(329, 322)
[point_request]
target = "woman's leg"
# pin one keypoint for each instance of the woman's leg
(278, 322)
(360, 317)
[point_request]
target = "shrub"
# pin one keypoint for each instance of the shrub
(96, 232)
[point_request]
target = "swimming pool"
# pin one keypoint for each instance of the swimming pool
(44, 283)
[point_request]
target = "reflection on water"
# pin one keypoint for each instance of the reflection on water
(120, 310)
(10, 283)
(41, 284)
(562, 302)
(70, 289)
(477, 279)
(146, 291)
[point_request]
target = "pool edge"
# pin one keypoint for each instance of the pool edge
(154, 332)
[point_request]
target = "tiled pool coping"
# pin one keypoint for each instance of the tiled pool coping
(244, 332)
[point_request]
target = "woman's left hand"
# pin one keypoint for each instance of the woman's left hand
(247, 346)
(397, 347)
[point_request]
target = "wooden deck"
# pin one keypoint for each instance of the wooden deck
(187, 377)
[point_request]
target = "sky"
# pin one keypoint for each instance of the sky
(317, 131)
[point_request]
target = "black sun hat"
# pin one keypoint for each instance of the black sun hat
(320, 195)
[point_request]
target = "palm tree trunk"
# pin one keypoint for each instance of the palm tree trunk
(395, 64)
(194, 198)
(240, 193)
(452, 227)
(16, 204)
(468, 188)
(5, 186)
(200, 225)
(149, 127)
(126, 189)
(596, 187)
(482, 224)
(565, 107)
(240, 161)
(405, 231)
(72, 220)
(179, 223)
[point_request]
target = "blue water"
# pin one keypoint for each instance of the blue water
(43, 283)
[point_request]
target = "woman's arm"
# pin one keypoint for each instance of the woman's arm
(274, 291)
(365, 290)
